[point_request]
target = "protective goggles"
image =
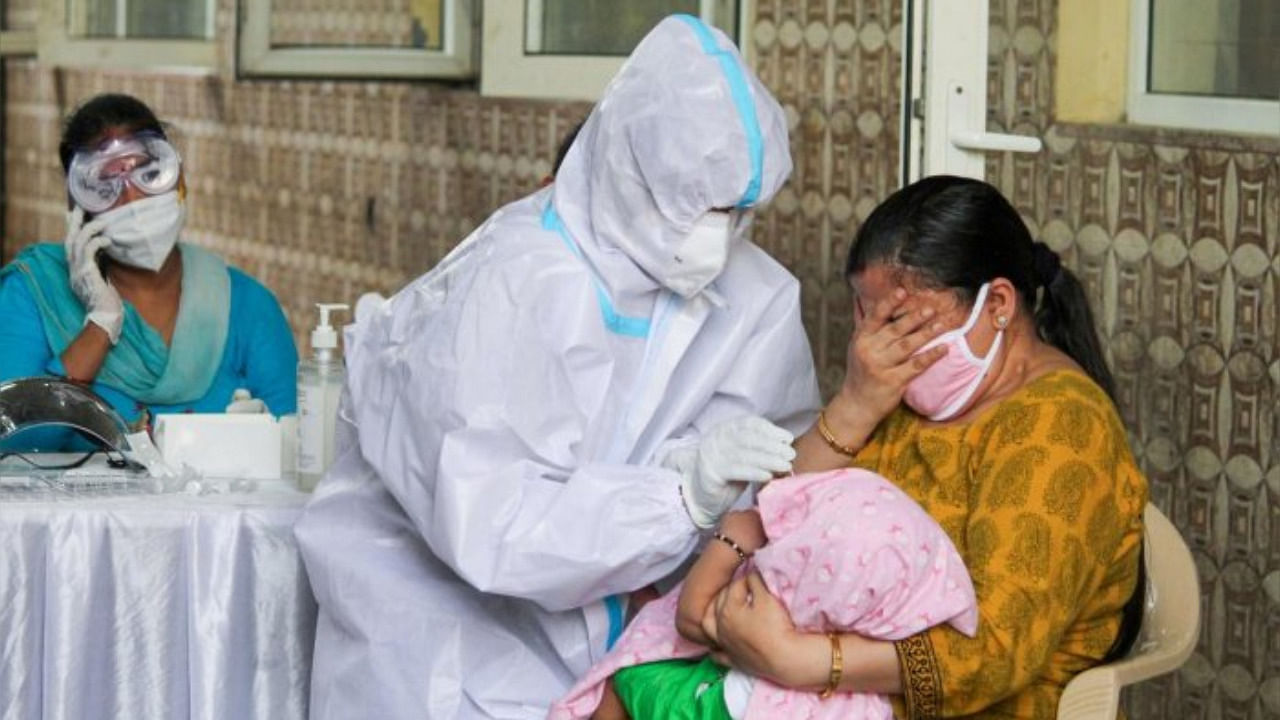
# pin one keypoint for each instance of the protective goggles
(146, 161)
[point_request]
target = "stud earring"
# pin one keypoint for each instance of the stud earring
(1001, 322)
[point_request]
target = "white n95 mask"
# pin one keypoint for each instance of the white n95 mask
(143, 232)
(701, 255)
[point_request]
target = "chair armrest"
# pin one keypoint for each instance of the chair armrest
(1093, 694)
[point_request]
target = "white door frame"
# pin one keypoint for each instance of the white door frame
(944, 82)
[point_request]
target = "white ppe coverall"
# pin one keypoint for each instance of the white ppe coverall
(498, 488)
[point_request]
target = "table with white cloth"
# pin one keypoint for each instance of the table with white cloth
(120, 602)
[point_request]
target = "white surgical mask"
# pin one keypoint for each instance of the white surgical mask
(700, 256)
(143, 232)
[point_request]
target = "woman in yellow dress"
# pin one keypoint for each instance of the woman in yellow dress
(975, 381)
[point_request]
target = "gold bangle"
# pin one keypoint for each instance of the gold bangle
(832, 443)
(837, 667)
(742, 554)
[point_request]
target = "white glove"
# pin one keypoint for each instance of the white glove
(744, 450)
(101, 301)
(242, 401)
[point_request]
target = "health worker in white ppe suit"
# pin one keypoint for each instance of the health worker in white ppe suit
(553, 416)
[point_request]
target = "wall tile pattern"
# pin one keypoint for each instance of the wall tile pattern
(1175, 238)
(834, 67)
(324, 190)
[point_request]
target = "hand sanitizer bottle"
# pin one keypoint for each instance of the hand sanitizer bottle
(320, 380)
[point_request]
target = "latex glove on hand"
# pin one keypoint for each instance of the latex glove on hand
(103, 306)
(743, 450)
(242, 401)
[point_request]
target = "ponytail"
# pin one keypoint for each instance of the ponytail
(1064, 320)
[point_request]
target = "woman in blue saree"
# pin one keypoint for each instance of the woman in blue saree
(151, 324)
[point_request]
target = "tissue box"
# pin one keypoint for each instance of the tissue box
(221, 445)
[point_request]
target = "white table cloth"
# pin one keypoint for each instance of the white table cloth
(172, 605)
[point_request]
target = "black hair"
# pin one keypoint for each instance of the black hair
(566, 142)
(958, 233)
(99, 113)
(1130, 614)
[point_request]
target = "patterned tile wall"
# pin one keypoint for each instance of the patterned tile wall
(1175, 237)
(324, 190)
(835, 68)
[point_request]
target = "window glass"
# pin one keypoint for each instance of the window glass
(1224, 48)
(166, 19)
(609, 27)
(99, 18)
(155, 19)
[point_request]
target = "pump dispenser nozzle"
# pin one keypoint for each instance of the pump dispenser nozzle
(324, 337)
(320, 379)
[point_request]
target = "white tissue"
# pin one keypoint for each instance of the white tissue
(145, 453)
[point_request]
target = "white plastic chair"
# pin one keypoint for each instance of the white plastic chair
(1170, 625)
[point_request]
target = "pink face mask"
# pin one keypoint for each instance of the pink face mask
(944, 388)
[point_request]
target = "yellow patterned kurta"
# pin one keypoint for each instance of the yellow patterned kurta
(1042, 498)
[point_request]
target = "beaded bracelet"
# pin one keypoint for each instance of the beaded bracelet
(742, 554)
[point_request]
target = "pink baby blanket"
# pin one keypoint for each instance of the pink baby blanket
(848, 551)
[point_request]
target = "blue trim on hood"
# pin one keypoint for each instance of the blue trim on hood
(613, 320)
(741, 93)
(613, 604)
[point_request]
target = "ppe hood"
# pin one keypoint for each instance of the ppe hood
(683, 128)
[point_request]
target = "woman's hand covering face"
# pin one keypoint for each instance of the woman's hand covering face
(890, 326)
